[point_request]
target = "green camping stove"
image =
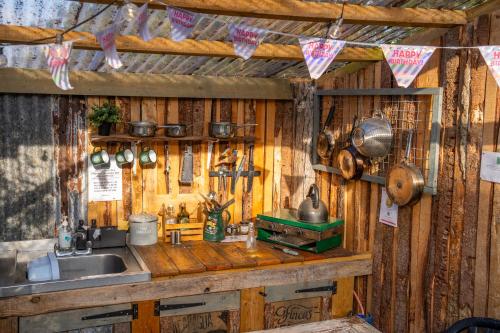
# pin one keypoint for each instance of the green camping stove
(282, 227)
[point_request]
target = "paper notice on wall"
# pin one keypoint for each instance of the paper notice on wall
(490, 167)
(105, 184)
(388, 211)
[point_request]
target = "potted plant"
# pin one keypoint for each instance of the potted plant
(103, 117)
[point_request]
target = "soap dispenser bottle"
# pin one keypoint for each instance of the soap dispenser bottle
(64, 234)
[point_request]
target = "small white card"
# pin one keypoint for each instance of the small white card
(388, 210)
(105, 184)
(490, 167)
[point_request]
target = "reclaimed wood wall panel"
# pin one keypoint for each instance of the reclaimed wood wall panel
(147, 189)
(68, 143)
(441, 263)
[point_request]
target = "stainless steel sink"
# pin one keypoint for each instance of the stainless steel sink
(97, 264)
(103, 267)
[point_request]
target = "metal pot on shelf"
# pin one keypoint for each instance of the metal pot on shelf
(312, 209)
(372, 137)
(142, 129)
(225, 129)
(143, 229)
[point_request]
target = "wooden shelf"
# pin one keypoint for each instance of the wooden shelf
(129, 138)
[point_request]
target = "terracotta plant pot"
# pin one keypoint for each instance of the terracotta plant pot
(104, 129)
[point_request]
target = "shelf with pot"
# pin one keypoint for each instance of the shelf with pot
(129, 138)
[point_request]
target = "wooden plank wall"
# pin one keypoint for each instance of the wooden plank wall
(279, 132)
(442, 262)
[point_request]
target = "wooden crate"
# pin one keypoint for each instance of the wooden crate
(189, 231)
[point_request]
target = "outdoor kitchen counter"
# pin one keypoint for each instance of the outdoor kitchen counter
(200, 267)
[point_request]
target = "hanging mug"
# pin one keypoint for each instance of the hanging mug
(99, 157)
(147, 156)
(124, 156)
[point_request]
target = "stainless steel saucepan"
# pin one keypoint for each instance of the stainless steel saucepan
(225, 129)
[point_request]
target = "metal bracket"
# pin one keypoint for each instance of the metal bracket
(332, 288)
(134, 311)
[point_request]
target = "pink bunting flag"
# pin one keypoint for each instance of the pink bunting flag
(58, 62)
(491, 55)
(106, 39)
(319, 53)
(182, 23)
(406, 61)
(142, 22)
(245, 39)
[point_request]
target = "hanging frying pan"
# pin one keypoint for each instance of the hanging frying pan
(404, 182)
(326, 141)
(351, 162)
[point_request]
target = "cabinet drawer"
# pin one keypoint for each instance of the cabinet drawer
(76, 319)
(300, 290)
(200, 303)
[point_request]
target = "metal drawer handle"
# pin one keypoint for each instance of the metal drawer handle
(167, 307)
(131, 312)
(332, 288)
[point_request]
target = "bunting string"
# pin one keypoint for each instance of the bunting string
(405, 61)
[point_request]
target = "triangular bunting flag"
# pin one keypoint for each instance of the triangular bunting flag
(406, 61)
(106, 39)
(245, 39)
(491, 55)
(319, 53)
(182, 23)
(58, 62)
(142, 22)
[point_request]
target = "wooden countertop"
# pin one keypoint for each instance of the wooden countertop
(164, 259)
(197, 268)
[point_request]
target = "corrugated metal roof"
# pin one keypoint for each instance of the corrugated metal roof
(62, 14)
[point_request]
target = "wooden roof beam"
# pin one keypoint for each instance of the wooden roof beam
(297, 10)
(188, 47)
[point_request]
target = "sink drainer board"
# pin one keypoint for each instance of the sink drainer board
(414, 108)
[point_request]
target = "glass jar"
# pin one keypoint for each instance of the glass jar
(170, 217)
(244, 226)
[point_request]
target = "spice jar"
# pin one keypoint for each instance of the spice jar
(232, 229)
(244, 227)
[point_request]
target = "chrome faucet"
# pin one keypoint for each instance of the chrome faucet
(80, 246)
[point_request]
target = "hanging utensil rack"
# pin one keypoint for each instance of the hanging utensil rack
(406, 109)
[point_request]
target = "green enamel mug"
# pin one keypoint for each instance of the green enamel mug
(124, 156)
(99, 157)
(147, 156)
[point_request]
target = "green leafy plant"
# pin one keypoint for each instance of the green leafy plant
(107, 113)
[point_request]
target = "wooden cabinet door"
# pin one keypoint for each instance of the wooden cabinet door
(216, 312)
(300, 303)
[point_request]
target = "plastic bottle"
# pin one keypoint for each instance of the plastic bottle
(64, 234)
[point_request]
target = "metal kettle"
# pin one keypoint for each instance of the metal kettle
(312, 209)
